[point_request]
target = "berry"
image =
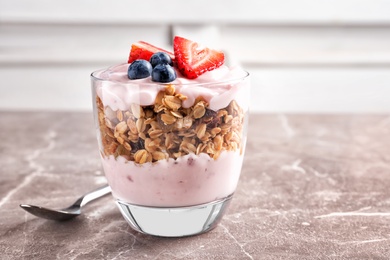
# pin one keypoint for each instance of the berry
(192, 60)
(143, 50)
(160, 58)
(139, 69)
(140, 144)
(163, 73)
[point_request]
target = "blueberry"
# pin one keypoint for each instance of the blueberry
(139, 69)
(160, 58)
(163, 73)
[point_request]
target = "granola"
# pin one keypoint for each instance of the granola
(167, 130)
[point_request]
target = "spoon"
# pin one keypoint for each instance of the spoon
(70, 212)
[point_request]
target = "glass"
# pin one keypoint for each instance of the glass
(172, 153)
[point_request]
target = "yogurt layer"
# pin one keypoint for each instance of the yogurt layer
(188, 180)
(218, 87)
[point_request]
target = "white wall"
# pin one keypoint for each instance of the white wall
(304, 56)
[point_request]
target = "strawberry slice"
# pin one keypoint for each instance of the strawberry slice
(144, 50)
(193, 60)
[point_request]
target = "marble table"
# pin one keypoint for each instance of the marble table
(312, 187)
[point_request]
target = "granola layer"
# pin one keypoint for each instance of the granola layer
(168, 130)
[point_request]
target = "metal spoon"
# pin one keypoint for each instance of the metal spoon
(70, 212)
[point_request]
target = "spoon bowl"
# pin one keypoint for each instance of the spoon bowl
(51, 214)
(70, 212)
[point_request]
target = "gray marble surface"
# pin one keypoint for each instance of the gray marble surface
(312, 187)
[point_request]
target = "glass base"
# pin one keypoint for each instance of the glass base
(175, 221)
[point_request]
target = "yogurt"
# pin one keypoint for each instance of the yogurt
(188, 180)
(218, 87)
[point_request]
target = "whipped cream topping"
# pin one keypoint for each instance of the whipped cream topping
(218, 87)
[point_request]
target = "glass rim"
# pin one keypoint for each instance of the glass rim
(132, 82)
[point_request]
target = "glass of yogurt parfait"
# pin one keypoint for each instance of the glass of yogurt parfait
(172, 143)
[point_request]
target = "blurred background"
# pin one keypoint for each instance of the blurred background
(305, 56)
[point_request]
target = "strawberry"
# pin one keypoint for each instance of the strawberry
(192, 60)
(144, 50)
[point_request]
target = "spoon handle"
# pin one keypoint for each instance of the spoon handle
(93, 195)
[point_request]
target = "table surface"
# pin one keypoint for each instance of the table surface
(312, 187)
